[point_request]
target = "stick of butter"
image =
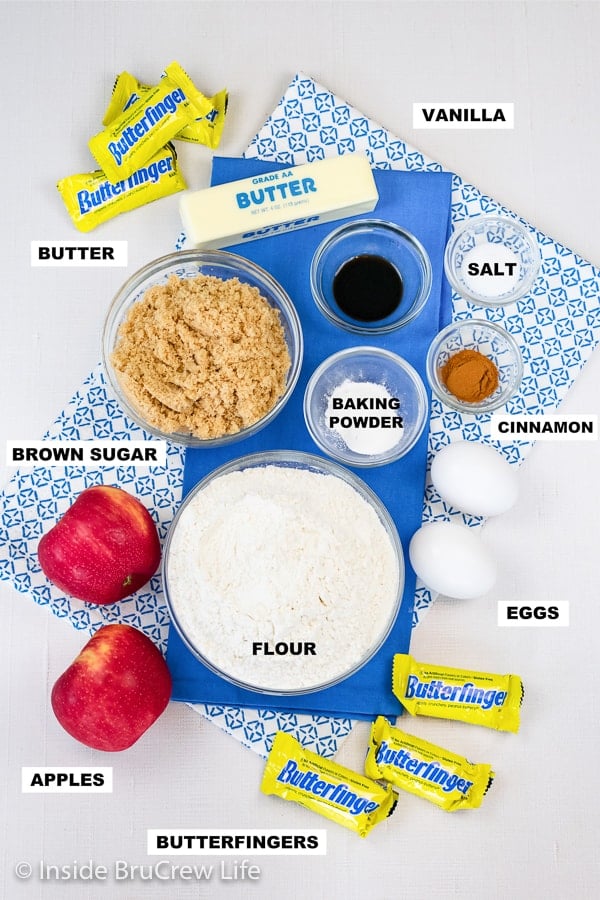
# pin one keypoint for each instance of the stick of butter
(276, 202)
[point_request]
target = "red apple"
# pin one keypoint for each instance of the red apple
(114, 691)
(104, 548)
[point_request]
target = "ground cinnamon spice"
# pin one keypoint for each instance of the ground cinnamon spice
(470, 375)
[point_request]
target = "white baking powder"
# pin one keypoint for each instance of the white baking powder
(365, 417)
(277, 555)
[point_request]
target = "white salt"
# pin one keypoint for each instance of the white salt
(491, 285)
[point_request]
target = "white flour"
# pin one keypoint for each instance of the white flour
(278, 555)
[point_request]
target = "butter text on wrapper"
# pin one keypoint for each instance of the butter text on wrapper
(279, 201)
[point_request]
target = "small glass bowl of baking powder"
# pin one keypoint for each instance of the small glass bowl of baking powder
(496, 346)
(198, 342)
(365, 406)
(283, 572)
(370, 277)
(492, 260)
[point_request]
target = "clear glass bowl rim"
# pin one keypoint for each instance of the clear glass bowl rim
(484, 406)
(235, 264)
(481, 299)
(354, 459)
(297, 459)
(362, 225)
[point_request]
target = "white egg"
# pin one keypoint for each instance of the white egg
(475, 478)
(452, 559)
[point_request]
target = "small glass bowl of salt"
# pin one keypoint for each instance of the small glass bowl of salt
(365, 406)
(492, 260)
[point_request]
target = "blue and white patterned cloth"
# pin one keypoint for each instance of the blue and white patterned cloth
(557, 327)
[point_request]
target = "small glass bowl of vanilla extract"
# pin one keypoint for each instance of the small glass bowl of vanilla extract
(370, 277)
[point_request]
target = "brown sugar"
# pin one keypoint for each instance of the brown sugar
(203, 356)
(470, 375)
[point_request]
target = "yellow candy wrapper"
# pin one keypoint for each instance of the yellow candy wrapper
(205, 129)
(149, 123)
(126, 90)
(209, 128)
(444, 693)
(440, 776)
(91, 199)
(339, 794)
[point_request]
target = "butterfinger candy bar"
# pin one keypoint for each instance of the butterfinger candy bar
(91, 199)
(205, 129)
(322, 785)
(209, 128)
(139, 132)
(444, 778)
(444, 693)
(126, 90)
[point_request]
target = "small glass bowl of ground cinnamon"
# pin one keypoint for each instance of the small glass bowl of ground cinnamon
(474, 366)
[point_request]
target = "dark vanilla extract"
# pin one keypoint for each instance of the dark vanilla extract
(367, 288)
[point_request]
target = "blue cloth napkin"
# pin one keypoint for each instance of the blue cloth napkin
(419, 202)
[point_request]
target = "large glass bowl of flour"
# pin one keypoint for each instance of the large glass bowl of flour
(283, 572)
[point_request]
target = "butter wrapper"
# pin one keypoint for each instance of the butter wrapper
(481, 698)
(280, 201)
(346, 797)
(412, 764)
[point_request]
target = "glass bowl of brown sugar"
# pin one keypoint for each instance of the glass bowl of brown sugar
(202, 348)
(474, 366)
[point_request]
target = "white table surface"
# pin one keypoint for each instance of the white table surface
(536, 834)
